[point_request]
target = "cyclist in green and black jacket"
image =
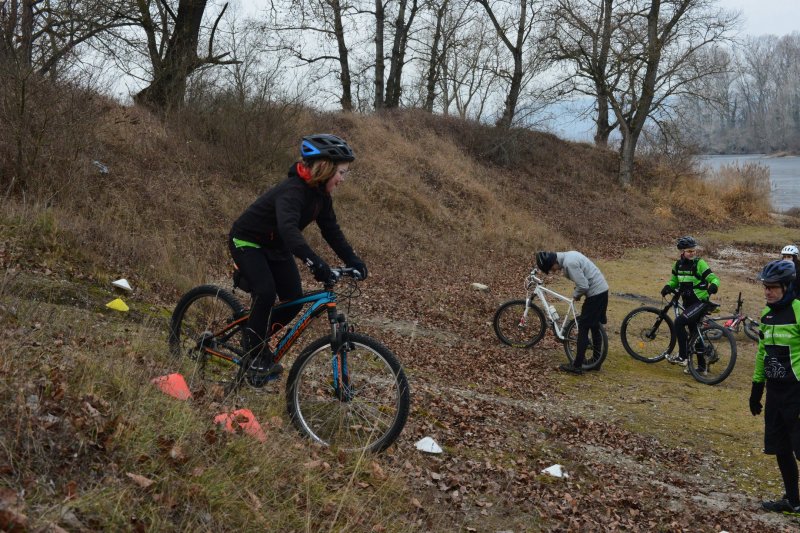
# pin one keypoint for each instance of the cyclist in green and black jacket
(778, 368)
(696, 283)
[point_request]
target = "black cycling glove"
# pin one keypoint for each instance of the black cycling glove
(755, 398)
(320, 270)
(666, 290)
(359, 265)
(712, 289)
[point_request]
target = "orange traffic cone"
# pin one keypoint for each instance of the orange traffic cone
(243, 419)
(174, 385)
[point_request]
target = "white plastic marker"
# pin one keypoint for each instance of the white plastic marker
(555, 471)
(428, 445)
(122, 283)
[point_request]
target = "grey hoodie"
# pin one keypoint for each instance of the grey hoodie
(588, 279)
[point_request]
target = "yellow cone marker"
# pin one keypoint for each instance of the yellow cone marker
(117, 305)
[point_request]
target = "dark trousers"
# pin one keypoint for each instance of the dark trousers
(691, 315)
(593, 313)
(269, 275)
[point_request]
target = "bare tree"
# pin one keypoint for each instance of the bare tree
(326, 19)
(514, 21)
(172, 39)
(581, 34)
(402, 29)
(659, 53)
(40, 35)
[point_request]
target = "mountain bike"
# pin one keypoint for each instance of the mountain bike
(522, 323)
(345, 389)
(648, 335)
(736, 322)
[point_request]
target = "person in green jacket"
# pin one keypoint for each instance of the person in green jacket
(696, 283)
(777, 368)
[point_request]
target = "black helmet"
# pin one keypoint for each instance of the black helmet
(780, 271)
(685, 242)
(327, 146)
(545, 261)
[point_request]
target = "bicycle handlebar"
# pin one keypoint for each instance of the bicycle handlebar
(343, 272)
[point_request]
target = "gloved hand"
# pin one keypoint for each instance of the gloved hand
(359, 265)
(712, 289)
(321, 270)
(755, 398)
(666, 290)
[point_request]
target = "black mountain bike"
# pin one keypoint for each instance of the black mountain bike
(648, 335)
(345, 389)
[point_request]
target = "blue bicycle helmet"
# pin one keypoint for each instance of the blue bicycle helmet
(326, 146)
(780, 271)
(685, 242)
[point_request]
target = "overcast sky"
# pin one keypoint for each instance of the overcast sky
(777, 17)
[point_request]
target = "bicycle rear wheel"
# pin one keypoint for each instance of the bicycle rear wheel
(357, 399)
(595, 355)
(647, 335)
(513, 328)
(751, 329)
(206, 337)
(712, 360)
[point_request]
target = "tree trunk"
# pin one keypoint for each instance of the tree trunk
(26, 39)
(338, 28)
(168, 87)
(514, 89)
(602, 128)
(433, 65)
(627, 152)
(380, 21)
(393, 84)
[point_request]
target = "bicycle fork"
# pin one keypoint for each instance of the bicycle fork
(340, 346)
(523, 320)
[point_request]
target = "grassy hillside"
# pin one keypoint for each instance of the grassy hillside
(432, 204)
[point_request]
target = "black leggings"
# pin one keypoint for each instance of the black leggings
(593, 313)
(267, 277)
(685, 323)
(788, 467)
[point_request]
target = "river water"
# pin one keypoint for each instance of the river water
(784, 175)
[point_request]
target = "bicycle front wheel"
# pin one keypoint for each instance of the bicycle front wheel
(647, 335)
(356, 399)
(515, 329)
(595, 355)
(751, 329)
(205, 336)
(712, 360)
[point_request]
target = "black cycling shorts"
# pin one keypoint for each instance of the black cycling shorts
(781, 422)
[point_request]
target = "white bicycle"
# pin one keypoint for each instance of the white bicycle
(522, 323)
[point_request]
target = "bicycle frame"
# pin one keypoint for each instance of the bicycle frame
(320, 301)
(535, 287)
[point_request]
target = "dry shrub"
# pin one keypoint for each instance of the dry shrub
(745, 191)
(48, 134)
(244, 140)
(731, 193)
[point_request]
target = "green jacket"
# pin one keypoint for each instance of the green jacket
(693, 275)
(778, 356)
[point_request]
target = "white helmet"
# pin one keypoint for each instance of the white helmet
(790, 249)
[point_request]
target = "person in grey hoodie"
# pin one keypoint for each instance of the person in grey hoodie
(589, 282)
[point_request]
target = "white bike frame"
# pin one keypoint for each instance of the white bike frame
(535, 287)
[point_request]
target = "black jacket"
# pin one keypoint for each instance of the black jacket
(277, 218)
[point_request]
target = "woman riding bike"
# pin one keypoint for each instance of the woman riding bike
(696, 283)
(264, 239)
